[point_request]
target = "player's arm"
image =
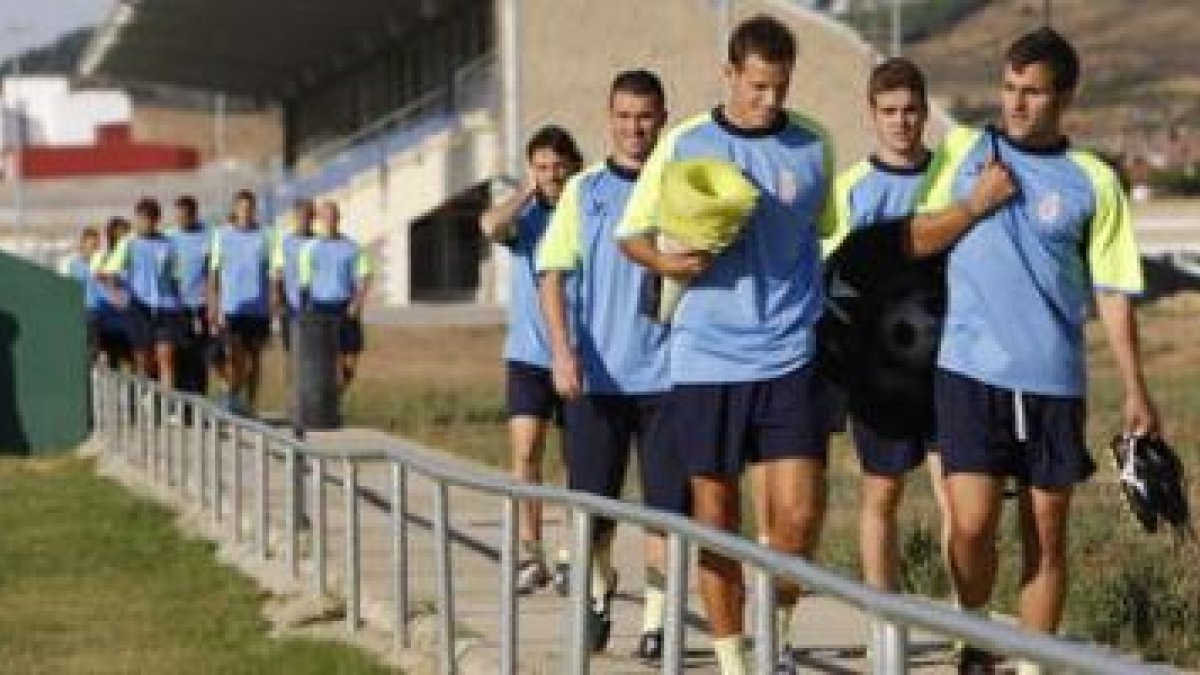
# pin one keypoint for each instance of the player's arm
(930, 233)
(1116, 271)
(558, 257)
(498, 223)
(362, 285)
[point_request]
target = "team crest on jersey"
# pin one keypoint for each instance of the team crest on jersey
(1050, 207)
(788, 186)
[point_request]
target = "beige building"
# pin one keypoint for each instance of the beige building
(413, 115)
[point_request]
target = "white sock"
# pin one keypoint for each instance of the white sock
(731, 655)
(656, 597)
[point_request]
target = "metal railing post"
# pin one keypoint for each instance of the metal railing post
(353, 580)
(217, 468)
(674, 647)
(264, 486)
(235, 494)
(199, 420)
(765, 648)
(182, 412)
(290, 512)
(399, 539)
(889, 648)
(508, 588)
(579, 649)
(319, 525)
(445, 590)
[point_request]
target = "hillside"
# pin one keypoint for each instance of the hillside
(1141, 65)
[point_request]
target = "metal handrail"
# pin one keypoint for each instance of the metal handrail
(127, 432)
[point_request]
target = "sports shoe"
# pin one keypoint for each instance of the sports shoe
(531, 575)
(650, 646)
(600, 617)
(975, 661)
(786, 662)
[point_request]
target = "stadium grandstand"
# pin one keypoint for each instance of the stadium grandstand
(412, 114)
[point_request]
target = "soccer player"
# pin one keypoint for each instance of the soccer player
(112, 335)
(284, 270)
(519, 223)
(78, 266)
(743, 388)
(1011, 380)
(239, 299)
(609, 358)
(887, 186)
(149, 265)
(193, 244)
(334, 277)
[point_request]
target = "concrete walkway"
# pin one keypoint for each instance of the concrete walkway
(830, 636)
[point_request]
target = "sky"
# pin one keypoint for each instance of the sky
(41, 21)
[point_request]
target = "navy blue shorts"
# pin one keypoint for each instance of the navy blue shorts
(979, 431)
(719, 428)
(350, 330)
(147, 327)
(880, 456)
(530, 392)
(252, 331)
(603, 429)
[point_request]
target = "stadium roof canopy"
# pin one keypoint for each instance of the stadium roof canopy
(259, 48)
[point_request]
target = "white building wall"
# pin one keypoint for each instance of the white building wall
(54, 114)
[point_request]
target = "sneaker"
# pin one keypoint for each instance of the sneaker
(531, 575)
(600, 617)
(650, 646)
(974, 661)
(562, 578)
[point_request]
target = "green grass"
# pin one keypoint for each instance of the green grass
(95, 580)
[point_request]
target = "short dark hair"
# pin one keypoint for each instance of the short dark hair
(188, 203)
(557, 139)
(89, 232)
(115, 229)
(765, 37)
(896, 73)
(149, 208)
(638, 82)
(1045, 45)
(248, 195)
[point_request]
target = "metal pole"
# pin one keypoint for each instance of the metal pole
(400, 633)
(897, 28)
(18, 171)
(764, 625)
(235, 495)
(890, 648)
(579, 649)
(199, 419)
(353, 581)
(215, 445)
(264, 486)
(673, 624)
(510, 64)
(319, 522)
(290, 512)
(445, 597)
(508, 588)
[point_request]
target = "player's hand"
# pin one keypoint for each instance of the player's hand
(1141, 417)
(566, 373)
(684, 266)
(994, 186)
(353, 310)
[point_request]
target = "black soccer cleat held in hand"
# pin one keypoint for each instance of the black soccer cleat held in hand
(1153, 482)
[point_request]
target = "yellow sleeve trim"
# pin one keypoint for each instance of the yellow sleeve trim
(559, 246)
(938, 192)
(836, 217)
(1112, 250)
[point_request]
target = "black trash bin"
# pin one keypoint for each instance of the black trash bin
(315, 403)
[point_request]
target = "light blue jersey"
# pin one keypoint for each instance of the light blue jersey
(151, 270)
(240, 259)
(527, 340)
(622, 351)
(193, 244)
(1022, 279)
(331, 269)
(872, 192)
(751, 315)
(80, 269)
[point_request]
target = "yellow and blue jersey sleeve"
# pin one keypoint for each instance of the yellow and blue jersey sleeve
(362, 265)
(118, 259)
(1112, 252)
(641, 213)
(214, 255)
(943, 168)
(559, 247)
(836, 217)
